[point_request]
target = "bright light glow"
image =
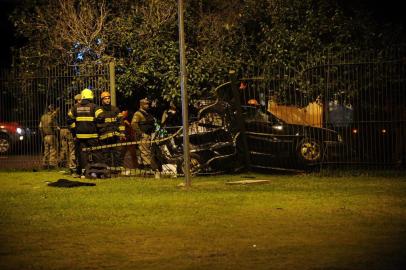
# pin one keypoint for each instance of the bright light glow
(19, 130)
(278, 127)
(21, 138)
(383, 130)
(355, 131)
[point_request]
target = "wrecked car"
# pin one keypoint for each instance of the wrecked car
(228, 137)
(213, 148)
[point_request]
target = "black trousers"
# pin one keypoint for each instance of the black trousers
(85, 158)
(112, 156)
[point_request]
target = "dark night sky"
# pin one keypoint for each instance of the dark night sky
(384, 11)
(6, 31)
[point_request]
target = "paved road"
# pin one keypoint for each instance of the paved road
(20, 162)
(34, 162)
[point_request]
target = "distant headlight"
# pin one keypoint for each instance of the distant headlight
(277, 127)
(19, 131)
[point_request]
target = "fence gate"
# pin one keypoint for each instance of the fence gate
(25, 96)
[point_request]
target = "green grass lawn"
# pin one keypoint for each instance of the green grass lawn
(293, 222)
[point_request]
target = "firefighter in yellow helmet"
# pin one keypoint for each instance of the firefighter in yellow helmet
(82, 119)
(111, 131)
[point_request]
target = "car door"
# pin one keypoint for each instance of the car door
(269, 139)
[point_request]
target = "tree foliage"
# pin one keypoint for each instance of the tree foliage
(61, 31)
(142, 37)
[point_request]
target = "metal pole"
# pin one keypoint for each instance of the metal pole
(112, 74)
(185, 122)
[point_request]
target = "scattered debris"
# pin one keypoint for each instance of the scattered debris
(181, 185)
(248, 182)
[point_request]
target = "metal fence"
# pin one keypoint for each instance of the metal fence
(25, 96)
(361, 96)
(338, 108)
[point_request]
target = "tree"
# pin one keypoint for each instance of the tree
(142, 37)
(61, 31)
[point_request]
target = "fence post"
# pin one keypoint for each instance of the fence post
(112, 79)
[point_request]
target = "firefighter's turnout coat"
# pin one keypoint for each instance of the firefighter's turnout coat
(110, 123)
(82, 120)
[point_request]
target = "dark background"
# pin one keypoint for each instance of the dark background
(384, 11)
(6, 31)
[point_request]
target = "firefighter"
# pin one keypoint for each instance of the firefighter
(257, 112)
(111, 131)
(82, 118)
(253, 102)
(143, 125)
(49, 128)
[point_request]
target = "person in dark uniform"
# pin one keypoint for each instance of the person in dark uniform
(171, 117)
(111, 131)
(82, 119)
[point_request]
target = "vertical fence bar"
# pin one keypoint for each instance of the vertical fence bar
(112, 76)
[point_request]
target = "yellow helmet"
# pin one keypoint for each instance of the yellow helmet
(253, 102)
(87, 94)
(105, 94)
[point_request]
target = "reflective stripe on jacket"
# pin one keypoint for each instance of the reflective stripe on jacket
(82, 118)
(109, 122)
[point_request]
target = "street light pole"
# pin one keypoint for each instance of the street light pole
(185, 122)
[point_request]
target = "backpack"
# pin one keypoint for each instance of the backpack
(97, 170)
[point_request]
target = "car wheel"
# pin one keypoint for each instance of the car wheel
(309, 151)
(4, 144)
(195, 164)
